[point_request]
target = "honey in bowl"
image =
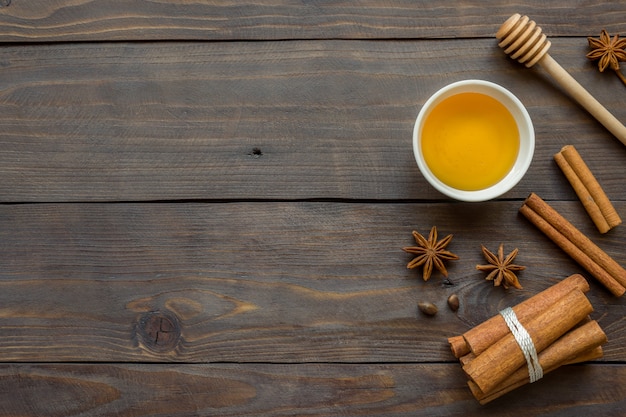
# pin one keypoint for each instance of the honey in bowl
(470, 141)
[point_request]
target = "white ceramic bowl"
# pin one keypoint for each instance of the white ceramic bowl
(526, 137)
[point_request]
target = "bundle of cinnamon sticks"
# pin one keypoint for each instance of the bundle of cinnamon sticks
(557, 320)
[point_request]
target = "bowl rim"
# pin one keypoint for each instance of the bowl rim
(525, 128)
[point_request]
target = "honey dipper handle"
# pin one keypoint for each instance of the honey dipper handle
(583, 97)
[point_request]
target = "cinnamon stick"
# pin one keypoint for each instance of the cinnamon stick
(489, 369)
(458, 346)
(464, 360)
(578, 345)
(589, 355)
(597, 262)
(588, 189)
(490, 331)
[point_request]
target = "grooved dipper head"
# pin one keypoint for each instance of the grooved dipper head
(522, 40)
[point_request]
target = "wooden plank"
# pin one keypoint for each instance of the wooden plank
(264, 282)
(69, 20)
(312, 390)
(268, 120)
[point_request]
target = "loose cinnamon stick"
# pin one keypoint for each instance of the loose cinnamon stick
(490, 331)
(589, 191)
(489, 369)
(573, 251)
(578, 345)
(575, 244)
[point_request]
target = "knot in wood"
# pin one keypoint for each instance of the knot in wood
(256, 153)
(159, 331)
(5, 3)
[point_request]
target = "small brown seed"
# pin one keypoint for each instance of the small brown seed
(427, 308)
(453, 302)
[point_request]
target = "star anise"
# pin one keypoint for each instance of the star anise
(609, 52)
(501, 270)
(430, 253)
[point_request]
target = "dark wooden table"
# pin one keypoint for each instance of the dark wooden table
(203, 206)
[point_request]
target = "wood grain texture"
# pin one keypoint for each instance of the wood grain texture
(203, 205)
(295, 390)
(80, 20)
(269, 120)
(265, 282)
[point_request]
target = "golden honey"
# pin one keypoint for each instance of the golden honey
(470, 141)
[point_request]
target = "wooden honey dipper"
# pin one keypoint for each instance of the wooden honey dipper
(523, 41)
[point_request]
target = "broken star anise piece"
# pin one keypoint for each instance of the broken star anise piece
(609, 52)
(430, 253)
(501, 270)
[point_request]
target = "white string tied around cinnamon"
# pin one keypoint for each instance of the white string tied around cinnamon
(525, 342)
